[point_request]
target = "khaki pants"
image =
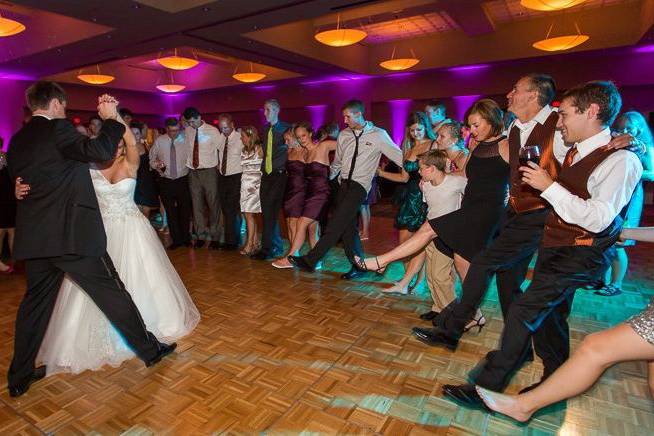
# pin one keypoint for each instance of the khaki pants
(440, 277)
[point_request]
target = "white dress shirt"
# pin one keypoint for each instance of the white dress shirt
(610, 186)
(560, 149)
(445, 197)
(160, 151)
(234, 148)
(373, 142)
(208, 141)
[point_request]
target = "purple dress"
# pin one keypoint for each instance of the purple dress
(318, 189)
(295, 189)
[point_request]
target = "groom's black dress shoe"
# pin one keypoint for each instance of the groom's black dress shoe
(466, 395)
(21, 388)
(164, 350)
(435, 337)
(301, 263)
(353, 273)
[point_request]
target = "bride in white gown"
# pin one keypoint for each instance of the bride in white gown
(79, 336)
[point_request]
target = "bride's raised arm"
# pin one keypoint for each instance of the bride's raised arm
(132, 156)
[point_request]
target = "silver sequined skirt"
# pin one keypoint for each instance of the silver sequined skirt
(643, 323)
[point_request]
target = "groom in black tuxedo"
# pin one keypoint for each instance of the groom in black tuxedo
(59, 229)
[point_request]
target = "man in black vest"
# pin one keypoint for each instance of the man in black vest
(59, 229)
(594, 185)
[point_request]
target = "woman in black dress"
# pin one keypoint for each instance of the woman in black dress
(469, 229)
(7, 210)
(146, 196)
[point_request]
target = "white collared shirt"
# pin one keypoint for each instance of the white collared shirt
(610, 186)
(208, 141)
(373, 142)
(560, 149)
(160, 151)
(234, 148)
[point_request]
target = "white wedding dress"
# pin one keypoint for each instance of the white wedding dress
(79, 336)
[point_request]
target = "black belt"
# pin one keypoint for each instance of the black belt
(275, 172)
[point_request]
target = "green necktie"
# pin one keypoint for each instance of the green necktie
(269, 151)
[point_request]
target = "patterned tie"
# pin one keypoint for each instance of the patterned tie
(223, 161)
(196, 150)
(173, 160)
(269, 145)
(569, 156)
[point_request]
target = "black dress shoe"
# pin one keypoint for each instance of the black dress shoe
(301, 263)
(21, 388)
(214, 245)
(173, 246)
(353, 273)
(260, 255)
(435, 337)
(164, 350)
(199, 243)
(466, 395)
(428, 316)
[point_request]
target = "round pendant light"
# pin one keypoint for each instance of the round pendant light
(170, 88)
(10, 27)
(250, 77)
(97, 78)
(560, 43)
(178, 63)
(550, 5)
(399, 64)
(340, 37)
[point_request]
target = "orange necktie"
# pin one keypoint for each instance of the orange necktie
(569, 156)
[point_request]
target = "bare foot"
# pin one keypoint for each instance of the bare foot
(508, 405)
(282, 263)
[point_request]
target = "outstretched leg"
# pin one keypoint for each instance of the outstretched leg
(412, 245)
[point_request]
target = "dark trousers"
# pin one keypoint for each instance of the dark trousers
(229, 192)
(508, 258)
(343, 224)
(271, 193)
(559, 272)
(98, 277)
(176, 198)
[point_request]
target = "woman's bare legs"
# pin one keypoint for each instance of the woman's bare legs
(314, 233)
(415, 243)
(291, 225)
(302, 224)
(251, 226)
(461, 265)
(619, 267)
(365, 222)
(596, 353)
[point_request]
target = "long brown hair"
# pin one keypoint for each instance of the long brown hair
(416, 118)
(250, 146)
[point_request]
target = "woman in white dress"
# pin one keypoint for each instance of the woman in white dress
(251, 158)
(79, 336)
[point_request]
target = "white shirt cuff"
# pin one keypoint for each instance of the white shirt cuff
(554, 194)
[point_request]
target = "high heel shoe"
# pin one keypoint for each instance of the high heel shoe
(361, 264)
(476, 322)
(9, 270)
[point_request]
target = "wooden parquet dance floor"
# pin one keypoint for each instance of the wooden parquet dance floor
(284, 352)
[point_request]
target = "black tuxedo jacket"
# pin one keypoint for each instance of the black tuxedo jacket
(60, 214)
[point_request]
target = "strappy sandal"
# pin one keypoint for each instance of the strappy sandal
(608, 291)
(361, 264)
(476, 322)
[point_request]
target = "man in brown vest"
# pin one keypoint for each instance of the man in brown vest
(593, 186)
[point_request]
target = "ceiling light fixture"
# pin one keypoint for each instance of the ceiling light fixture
(250, 77)
(560, 43)
(340, 37)
(177, 62)
(399, 64)
(550, 5)
(10, 27)
(172, 87)
(96, 79)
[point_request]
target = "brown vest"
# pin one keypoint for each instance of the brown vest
(524, 198)
(574, 178)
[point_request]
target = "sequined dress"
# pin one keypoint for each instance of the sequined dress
(643, 323)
